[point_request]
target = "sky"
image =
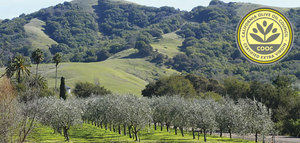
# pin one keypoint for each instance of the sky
(13, 8)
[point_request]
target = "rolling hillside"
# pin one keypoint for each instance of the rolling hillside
(35, 32)
(99, 32)
(120, 75)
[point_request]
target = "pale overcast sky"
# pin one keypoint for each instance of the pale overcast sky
(13, 8)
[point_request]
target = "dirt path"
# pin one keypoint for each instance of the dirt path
(278, 139)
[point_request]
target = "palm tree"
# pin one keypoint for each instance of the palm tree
(56, 59)
(37, 57)
(17, 65)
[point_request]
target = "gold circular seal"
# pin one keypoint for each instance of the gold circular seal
(264, 36)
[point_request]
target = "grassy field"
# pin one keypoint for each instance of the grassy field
(90, 133)
(120, 75)
(169, 44)
(37, 37)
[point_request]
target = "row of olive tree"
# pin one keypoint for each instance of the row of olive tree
(132, 114)
(127, 111)
(245, 116)
(51, 111)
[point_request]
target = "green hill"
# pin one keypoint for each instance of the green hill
(120, 75)
(200, 41)
(169, 44)
(35, 34)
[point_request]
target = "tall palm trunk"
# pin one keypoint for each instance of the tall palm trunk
(37, 69)
(55, 77)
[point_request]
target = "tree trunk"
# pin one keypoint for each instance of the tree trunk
(230, 133)
(175, 128)
(66, 134)
(105, 126)
(110, 127)
(119, 128)
(124, 129)
(210, 133)
(114, 129)
(204, 131)
(136, 135)
(256, 137)
(59, 130)
(161, 126)
(55, 77)
(26, 131)
(155, 128)
(221, 133)
(129, 131)
(193, 133)
(167, 127)
(181, 130)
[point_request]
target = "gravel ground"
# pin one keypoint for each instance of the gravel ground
(278, 139)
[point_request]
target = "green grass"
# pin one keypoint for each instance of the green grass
(90, 133)
(37, 37)
(120, 75)
(169, 44)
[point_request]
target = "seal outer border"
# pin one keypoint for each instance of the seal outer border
(290, 43)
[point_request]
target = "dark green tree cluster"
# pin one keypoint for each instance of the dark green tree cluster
(86, 89)
(115, 17)
(186, 86)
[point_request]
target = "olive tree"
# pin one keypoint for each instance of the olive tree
(160, 107)
(256, 118)
(178, 113)
(203, 116)
(115, 110)
(61, 114)
(140, 113)
(30, 114)
(227, 116)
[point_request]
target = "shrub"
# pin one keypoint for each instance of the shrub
(9, 112)
(173, 85)
(86, 89)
